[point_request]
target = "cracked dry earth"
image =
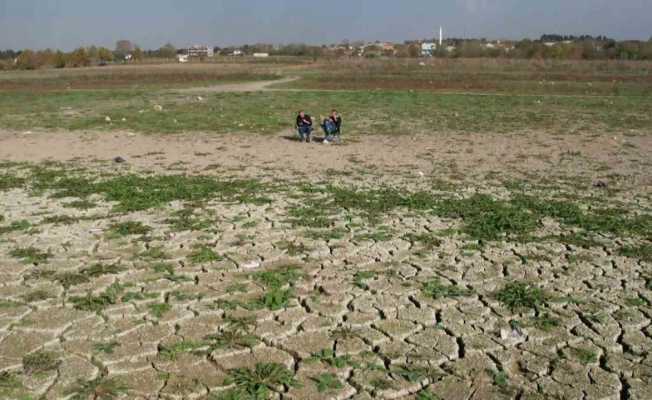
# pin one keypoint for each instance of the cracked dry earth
(269, 284)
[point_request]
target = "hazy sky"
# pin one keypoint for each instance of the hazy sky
(150, 23)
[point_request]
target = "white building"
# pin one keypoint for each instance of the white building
(261, 55)
(428, 49)
(182, 58)
(201, 51)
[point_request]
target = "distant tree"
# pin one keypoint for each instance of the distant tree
(414, 50)
(138, 54)
(167, 51)
(104, 55)
(79, 58)
(122, 48)
(93, 53)
(60, 60)
(27, 60)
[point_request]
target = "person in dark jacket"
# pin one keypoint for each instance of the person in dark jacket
(332, 127)
(304, 126)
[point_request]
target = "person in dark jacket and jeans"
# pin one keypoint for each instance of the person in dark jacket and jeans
(304, 126)
(332, 126)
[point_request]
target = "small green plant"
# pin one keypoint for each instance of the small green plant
(278, 277)
(185, 220)
(519, 295)
(636, 302)
(100, 388)
(40, 362)
(203, 254)
(172, 351)
(61, 220)
(236, 288)
(232, 338)
(155, 253)
(427, 240)
(328, 357)
(102, 269)
(344, 333)
(273, 299)
(129, 228)
(413, 373)
(68, 279)
(436, 290)
(158, 310)
(81, 204)
(106, 348)
(263, 379)
(15, 226)
(163, 268)
(426, 394)
(499, 378)
(10, 383)
(327, 382)
(381, 384)
(546, 322)
(326, 234)
(360, 277)
(584, 356)
(37, 295)
(643, 252)
(98, 303)
(31, 255)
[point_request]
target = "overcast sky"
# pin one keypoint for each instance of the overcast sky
(67, 24)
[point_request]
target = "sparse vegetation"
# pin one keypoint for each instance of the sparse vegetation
(40, 362)
(436, 290)
(129, 228)
(327, 382)
(263, 379)
(521, 295)
(31, 255)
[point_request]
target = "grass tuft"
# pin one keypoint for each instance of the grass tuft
(521, 295)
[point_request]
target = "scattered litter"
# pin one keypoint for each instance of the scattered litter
(422, 64)
(251, 265)
(199, 98)
(421, 174)
(158, 107)
(124, 119)
(107, 119)
(513, 336)
(119, 160)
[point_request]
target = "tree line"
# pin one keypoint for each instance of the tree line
(550, 46)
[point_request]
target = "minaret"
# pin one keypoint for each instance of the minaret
(441, 36)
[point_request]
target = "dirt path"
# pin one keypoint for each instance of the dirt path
(237, 87)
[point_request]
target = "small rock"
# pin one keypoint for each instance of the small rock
(107, 119)
(158, 107)
(422, 64)
(119, 160)
(421, 174)
(124, 119)
(199, 98)
(600, 184)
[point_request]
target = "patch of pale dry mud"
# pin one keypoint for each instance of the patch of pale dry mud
(448, 155)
